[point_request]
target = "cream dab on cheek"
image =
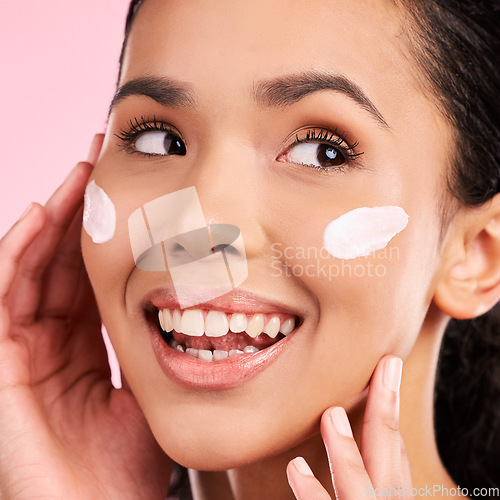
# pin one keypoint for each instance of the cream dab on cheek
(363, 230)
(99, 214)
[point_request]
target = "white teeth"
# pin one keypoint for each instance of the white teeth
(192, 352)
(218, 355)
(255, 325)
(168, 324)
(160, 318)
(273, 327)
(238, 322)
(216, 324)
(205, 355)
(177, 320)
(250, 349)
(234, 352)
(192, 323)
(287, 326)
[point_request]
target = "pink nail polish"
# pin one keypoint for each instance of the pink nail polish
(340, 421)
(302, 467)
(392, 374)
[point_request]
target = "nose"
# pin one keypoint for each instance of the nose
(203, 242)
(232, 191)
(204, 261)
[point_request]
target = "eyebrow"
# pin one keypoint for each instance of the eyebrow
(280, 92)
(287, 90)
(165, 91)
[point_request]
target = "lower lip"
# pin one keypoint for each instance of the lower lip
(224, 374)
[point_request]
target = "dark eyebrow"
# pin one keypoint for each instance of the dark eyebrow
(289, 89)
(164, 91)
(276, 92)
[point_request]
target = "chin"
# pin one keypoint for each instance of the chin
(217, 451)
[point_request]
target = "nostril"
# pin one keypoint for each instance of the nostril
(177, 247)
(227, 248)
(220, 247)
(203, 242)
(224, 237)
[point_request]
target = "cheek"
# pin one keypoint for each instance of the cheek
(99, 214)
(373, 300)
(105, 245)
(362, 231)
(108, 265)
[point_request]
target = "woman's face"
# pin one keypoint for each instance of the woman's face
(251, 79)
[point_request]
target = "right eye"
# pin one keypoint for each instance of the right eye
(160, 143)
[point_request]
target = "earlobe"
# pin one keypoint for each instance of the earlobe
(469, 280)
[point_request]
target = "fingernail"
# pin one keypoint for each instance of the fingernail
(392, 374)
(302, 467)
(340, 421)
(27, 211)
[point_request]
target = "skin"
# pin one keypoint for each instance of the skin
(237, 159)
(232, 158)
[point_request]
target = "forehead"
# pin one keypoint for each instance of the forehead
(232, 43)
(222, 49)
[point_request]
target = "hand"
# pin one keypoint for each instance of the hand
(65, 432)
(382, 462)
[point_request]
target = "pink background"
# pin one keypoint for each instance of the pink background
(59, 64)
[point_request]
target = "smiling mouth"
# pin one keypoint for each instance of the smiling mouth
(213, 335)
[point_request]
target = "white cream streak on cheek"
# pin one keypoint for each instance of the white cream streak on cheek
(99, 214)
(363, 230)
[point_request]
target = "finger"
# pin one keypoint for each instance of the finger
(60, 210)
(84, 343)
(12, 247)
(380, 438)
(303, 483)
(95, 148)
(350, 478)
(63, 275)
(85, 311)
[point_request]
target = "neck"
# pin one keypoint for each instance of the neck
(417, 406)
(267, 479)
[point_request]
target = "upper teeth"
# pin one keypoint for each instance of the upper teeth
(217, 323)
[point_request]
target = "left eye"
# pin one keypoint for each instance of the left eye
(160, 143)
(315, 154)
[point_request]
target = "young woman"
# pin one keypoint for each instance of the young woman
(285, 117)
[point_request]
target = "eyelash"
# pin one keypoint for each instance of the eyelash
(333, 139)
(137, 127)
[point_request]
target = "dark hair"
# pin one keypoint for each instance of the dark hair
(132, 12)
(455, 44)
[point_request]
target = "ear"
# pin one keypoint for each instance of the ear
(468, 283)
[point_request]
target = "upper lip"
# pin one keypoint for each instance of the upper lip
(238, 300)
